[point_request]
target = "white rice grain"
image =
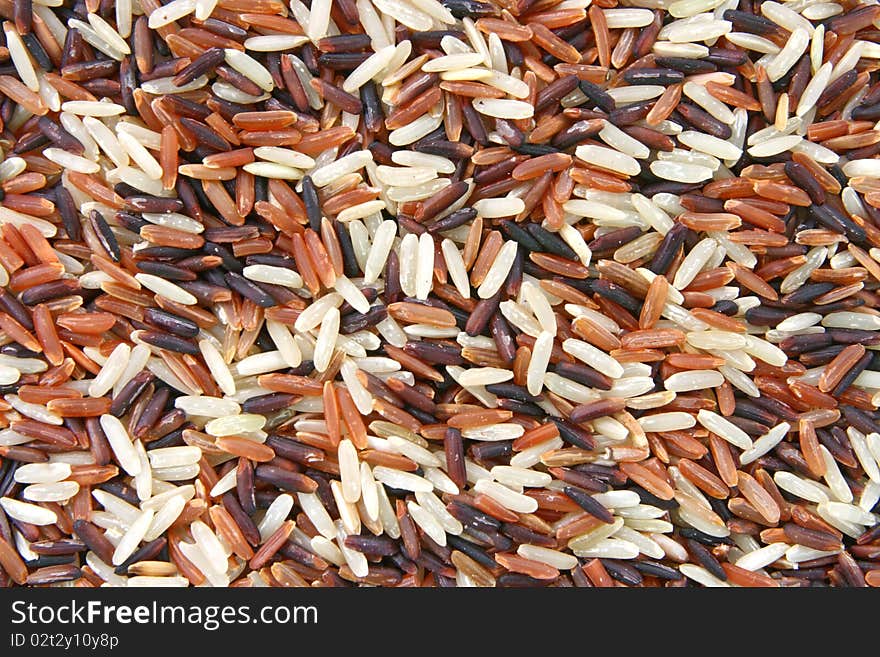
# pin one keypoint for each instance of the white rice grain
(120, 443)
(29, 513)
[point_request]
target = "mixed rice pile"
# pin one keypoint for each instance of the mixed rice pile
(440, 293)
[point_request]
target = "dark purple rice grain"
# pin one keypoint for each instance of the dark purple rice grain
(837, 87)
(14, 307)
(354, 322)
(853, 336)
(614, 239)
(443, 148)
(576, 133)
(473, 123)
(98, 444)
(143, 203)
(122, 490)
(518, 580)
(84, 71)
(169, 342)
(574, 435)
(534, 149)
(699, 537)
(807, 293)
(618, 294)
(22, 12)
(847, 380)
(514, 232)
(411, 225)
(781, 409)
(686, 65)
(127, 83)
(837, 443)
(378, 387)
(585, 480)
(374, 117)
(622, 572)
(661, 76)
(866, 112)
(244, 485)
(550, 242)
(372, 545)
(167, 271)
(435, 353)
(866, 152)
(205, 135)
(165, 69)
(656, 569)
(589, 504)
(51, 561)
(525, 535)
(342, 61)
(293, 551)
(105, 235)
(799, 79)
(583, 374)
(652, 500)
(290, 481)
(836, 221)
(598, 96)
(294, 451)
(850, 570)
(60, 136)
(813, 538)
(515, 276)
(496, 172)
(170, 322)
(756, 24)
(249, 290)
(869, 536)
(631, 113)
(580, 579)
(168, 431)
(164, 252)
(492, 450)
(69, 215)
(751, 427)
(247, 526)
(414, 88)
(237, 80)
(53, 575)
(224, 29)
(270, 403)
(747, 409)
(469, 8)
(651, 138)
(431, 563)
(821, 356)
(130, 221)
(130, 391)
(726, 57)
(151, 413)
(703, 121)
(706, 559)
(477, 522)
(344, 43)
(521, 408)
(146, 552)
(555, 91)
(30, 142)
(48, 291)
(766, 316)
(60, 547)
